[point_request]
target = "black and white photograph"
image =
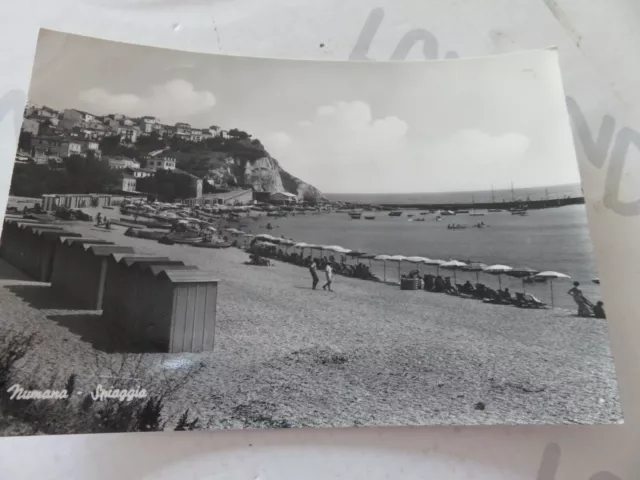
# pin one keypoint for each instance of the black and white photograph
(196, 241)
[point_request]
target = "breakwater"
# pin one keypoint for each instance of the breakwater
(520, 204)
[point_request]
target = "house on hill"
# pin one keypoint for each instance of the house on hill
(283, 198)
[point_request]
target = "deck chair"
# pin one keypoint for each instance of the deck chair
(533, 301)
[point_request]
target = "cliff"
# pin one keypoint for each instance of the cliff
(246, 169)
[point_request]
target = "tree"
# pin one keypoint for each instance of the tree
(239, 134)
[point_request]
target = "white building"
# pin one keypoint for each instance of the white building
(128, 134)
(122, 163)
(162, 163)
(128, 183)
(281, 198)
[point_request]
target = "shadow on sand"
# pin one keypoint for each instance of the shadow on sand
(41, 296)
(97, 332)
(88, 325)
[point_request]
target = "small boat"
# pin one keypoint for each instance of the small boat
(522, 213)
(495, 210)
(395, 214)
(447, 212)
(456, 227)
(462, 211)
(355, 215)
(410, 215)
(369, 218)
(476, 214)
(424, 213)
(418, 220)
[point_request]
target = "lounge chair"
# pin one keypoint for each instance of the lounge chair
(534, 301)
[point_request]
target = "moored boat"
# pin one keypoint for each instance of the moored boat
(395, 213)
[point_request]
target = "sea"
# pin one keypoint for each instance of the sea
(554, 239)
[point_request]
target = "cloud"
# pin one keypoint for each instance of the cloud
(342, 141)
(174, 99)
(344, 148)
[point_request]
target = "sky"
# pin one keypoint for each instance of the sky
(344, 127)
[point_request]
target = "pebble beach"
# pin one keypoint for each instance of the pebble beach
(366, 354)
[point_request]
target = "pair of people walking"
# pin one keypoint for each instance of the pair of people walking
(313, 269)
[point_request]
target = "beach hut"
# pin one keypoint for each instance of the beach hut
(175, 306)
(551, 276)
(522, 273)
(453, 265)
(30, 247)
(80, 269)
(498, 270)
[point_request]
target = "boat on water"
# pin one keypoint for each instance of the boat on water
(476, 214)
(495, 210)
(410, 215)
(417, 220)
(369, 218)
(355, 215)
(462, 211)
(395, 214)
(456, 227)
(424, 213)
(522, 213)
(447, 212)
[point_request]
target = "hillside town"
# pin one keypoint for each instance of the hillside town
(140, 155)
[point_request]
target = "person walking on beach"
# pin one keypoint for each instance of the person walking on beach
(585, 307)
(313, 269)
(329, 273)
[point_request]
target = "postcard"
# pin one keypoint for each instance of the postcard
(197, 241)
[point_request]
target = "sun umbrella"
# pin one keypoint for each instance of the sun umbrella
(475, 267)
(453, 265)
(417, 261)
(522, 273)
(399, 259)
(368, 256)
(498, 270)
(552, 276)
(436, 262)
(384, 259)
(356, 254)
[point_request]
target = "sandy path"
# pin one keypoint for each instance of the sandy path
(368, 354)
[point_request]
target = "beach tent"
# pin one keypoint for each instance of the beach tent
(417, 261)
(498, 270)
(453, 265)
(552, 276)
(522, 273)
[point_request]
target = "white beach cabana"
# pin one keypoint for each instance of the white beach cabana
(498, 270)
(551, 276)
(453, 265)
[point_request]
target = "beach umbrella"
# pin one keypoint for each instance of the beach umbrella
(436, 262)
(453, 265)
(551, 276)
(522, 273)
(368, 256)
(476, 267)
(417, 261)
(356, 254)
(498, 270)
(399, 259)
(384, 259)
